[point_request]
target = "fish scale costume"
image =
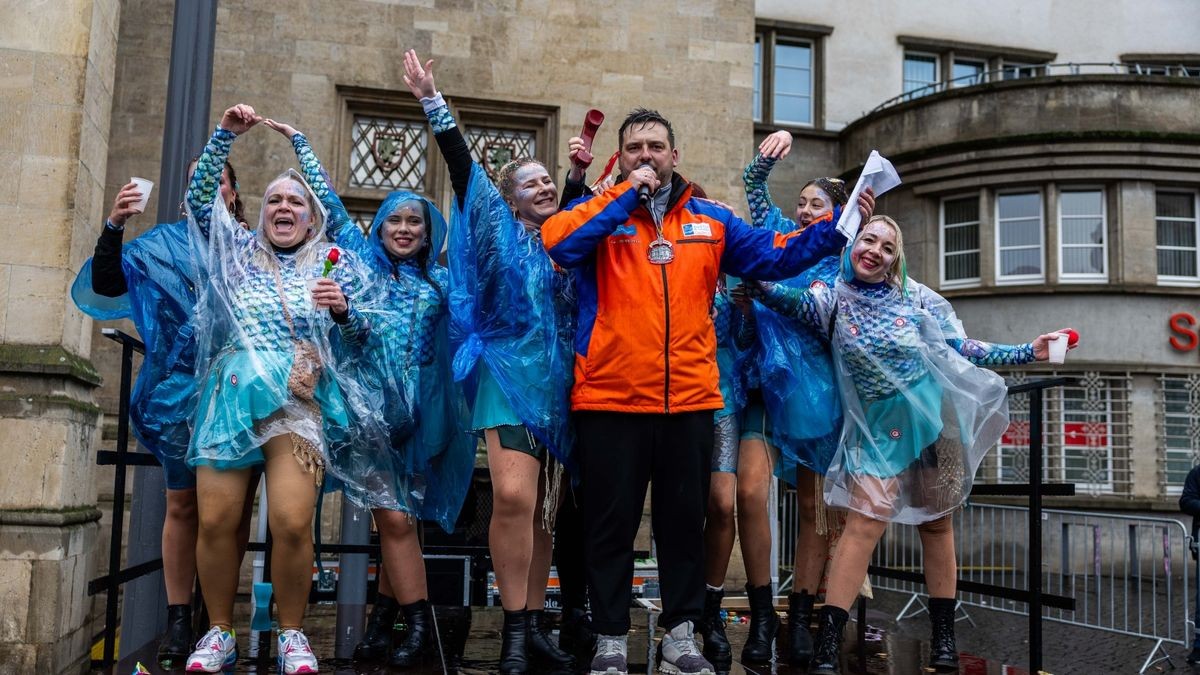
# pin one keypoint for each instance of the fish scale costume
(250, 356)
(920, 414)
(406, 357)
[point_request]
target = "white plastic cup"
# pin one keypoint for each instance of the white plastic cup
(1058, 348)
(311, 285)
(145, 187)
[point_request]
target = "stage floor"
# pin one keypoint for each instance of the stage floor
(477, 635)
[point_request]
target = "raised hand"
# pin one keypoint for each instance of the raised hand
(866, 204)
(777, 145)
(419, 78)
(125, 205)
(284, 128)
(239, 119)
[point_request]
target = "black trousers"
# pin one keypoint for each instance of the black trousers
(569, 557)
(620, 453)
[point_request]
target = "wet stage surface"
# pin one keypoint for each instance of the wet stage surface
(471, 639)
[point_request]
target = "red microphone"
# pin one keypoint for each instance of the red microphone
(591, 124)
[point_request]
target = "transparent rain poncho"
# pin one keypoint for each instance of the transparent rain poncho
(407, 357)
(160, 275)
(919, 414)
(265, 363)
(732, 384)
(512, 312)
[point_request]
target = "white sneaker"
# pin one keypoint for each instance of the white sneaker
(295, 656)
(216, 651)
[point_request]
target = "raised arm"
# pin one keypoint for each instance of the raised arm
(763, 212)
(419, 79)
(108, 276)
(206, 179)
(762, 254)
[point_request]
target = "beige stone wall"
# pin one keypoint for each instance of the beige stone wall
(56, 75)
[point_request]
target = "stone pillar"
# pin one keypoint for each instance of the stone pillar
(56, 80)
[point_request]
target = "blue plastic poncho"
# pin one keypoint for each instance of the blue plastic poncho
(512, 310)
(732, 381)
(407, 357)
(265, 363)
(160, 275)
(794, 369)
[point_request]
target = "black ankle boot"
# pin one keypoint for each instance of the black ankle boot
(827, 657)
(377, 636)
(420, 643)
(764, 623)
(800, 642)
(711, 627)
(575, 634)
(513, 659)
(178, 641)
(943, 656)
(541, 647)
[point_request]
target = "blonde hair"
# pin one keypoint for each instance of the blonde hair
(897, 274)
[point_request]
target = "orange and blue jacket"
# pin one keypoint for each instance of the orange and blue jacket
(644, 341)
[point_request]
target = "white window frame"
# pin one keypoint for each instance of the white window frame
(1011, 280)
(1108, 486)
(1174, 280)
(1005, 64)
(1079, 277)
(760, 44)
(929, 88)
(983, 70)
(958, 283)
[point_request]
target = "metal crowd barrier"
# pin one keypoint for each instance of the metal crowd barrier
(1126, 574)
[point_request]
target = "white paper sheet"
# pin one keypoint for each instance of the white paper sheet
(877, 174)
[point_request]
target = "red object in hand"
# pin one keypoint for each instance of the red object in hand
(591, 124)
(1072, 337)
(334, 254)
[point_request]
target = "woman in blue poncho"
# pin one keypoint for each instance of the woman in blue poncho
(271, 391)
(919, 416)
(511, 325)
(406, 358)
(152, 281)
(793, 404)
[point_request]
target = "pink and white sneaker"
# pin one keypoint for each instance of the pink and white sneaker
(295, 656)
(215, 652)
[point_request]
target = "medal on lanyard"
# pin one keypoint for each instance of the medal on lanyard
(661, 252)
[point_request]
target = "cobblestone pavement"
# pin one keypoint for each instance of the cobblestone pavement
(1003, 637)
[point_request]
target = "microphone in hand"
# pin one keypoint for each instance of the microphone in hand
(644, 190)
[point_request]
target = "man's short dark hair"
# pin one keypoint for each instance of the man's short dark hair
(643, 117)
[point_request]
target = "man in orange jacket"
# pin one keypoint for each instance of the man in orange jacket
(646, 255)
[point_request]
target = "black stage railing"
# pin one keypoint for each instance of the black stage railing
(1035, 489)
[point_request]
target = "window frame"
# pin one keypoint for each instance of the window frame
(1082, 277)
(1175, 280)
(954, 60)
(1014, 280)
(938, 83)
(959, 283)
(768, 34)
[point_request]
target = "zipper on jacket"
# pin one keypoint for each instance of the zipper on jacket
(666, 343)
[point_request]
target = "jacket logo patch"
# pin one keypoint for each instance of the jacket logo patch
(624, 231)
(697, 230)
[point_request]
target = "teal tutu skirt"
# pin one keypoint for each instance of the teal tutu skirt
(492, 408)
(900, 428)
(243, 393)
